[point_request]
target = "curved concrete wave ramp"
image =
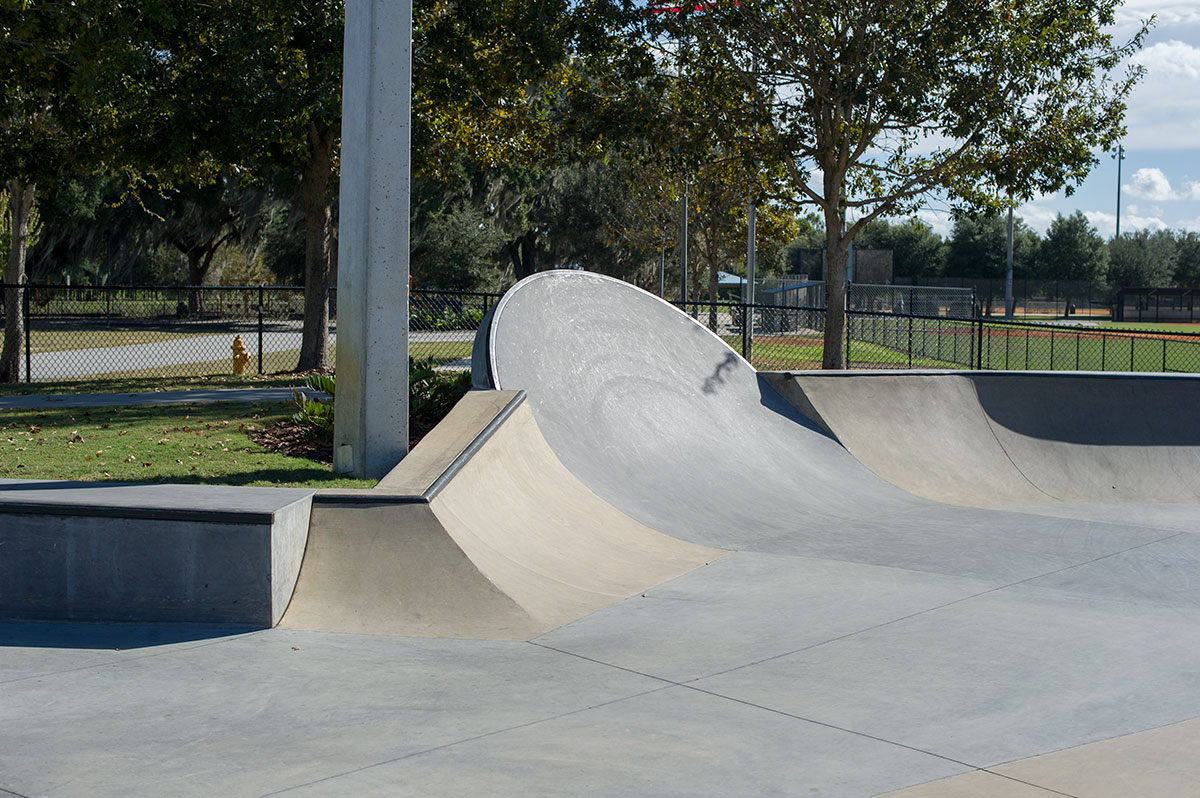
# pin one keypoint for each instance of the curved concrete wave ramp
(662, 419)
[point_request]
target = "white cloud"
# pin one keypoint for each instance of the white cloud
(1038, 217)
(1150, 184)
(1106, 223)
(1167, 13)
(1170, 59)
(1164, 109)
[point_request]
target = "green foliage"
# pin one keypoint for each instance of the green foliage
(1073, 250)
(1187, 259)
(874, 107)
(35, 224)
(431, 394)
(316, 415)
(917, 251)
(978, 247)
(1143, 259)
(457, 252)
(445, 317)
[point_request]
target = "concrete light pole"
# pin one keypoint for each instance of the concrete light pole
(371, 406)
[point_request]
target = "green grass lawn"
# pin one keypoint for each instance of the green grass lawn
(1150, 326)
(146, 384)
(202, 443)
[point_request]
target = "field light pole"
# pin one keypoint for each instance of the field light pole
(1008, 279)
(683, 246)
(748, 314)
(1120, 156)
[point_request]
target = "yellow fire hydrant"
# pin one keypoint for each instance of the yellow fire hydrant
(240, 357)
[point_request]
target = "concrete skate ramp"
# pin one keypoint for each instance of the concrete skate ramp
(661, 419)
(988, 439)
(479, 532)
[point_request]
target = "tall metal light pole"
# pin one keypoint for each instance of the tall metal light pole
(1008, 279)
(748, 320)
(1120, 156)
(683, 286)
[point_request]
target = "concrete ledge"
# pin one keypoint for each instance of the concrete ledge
(149, 553)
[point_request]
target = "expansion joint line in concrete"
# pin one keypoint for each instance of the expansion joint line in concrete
(691, 686)
(476, 737)
(234, 634)
(13, 794)
(943, 606)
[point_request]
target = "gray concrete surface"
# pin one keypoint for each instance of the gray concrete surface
(857, 640)
(203, 396)
(985, 438)
(166, 553)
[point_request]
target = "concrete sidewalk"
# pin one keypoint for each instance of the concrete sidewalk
(204, 396)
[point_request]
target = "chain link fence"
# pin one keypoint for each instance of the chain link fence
(101, 332)
(1032, 299)
(77, 333)
(792, 338)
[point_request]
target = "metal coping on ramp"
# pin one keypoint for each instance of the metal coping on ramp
(410, 483)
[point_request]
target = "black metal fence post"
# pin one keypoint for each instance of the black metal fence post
(848, 323)
(24, 289)
(261, 293)
(979, 347)
(910, 335)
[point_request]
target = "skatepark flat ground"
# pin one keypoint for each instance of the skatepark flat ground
(837, 636)
(759, 674)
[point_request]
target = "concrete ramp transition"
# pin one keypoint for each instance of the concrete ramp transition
(986, 438)
(480, 532)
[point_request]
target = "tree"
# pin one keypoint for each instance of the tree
(1073, 250)
(57, 99)
(1142, 259)
(978, 247)
(1187, 259)
(917, 251)
(873, 106)
(198, 221)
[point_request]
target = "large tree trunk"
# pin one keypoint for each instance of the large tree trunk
(318, 247)
(520, 252)
(834, 356)
(20, 195)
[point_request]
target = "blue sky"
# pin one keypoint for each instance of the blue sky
(1160, 177)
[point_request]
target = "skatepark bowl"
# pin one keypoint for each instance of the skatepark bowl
(630, 565)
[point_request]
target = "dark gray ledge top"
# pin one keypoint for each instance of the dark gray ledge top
(214, 503)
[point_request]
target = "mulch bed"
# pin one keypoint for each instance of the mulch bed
(293, 440)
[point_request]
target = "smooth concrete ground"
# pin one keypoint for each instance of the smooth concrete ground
(760, 674)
